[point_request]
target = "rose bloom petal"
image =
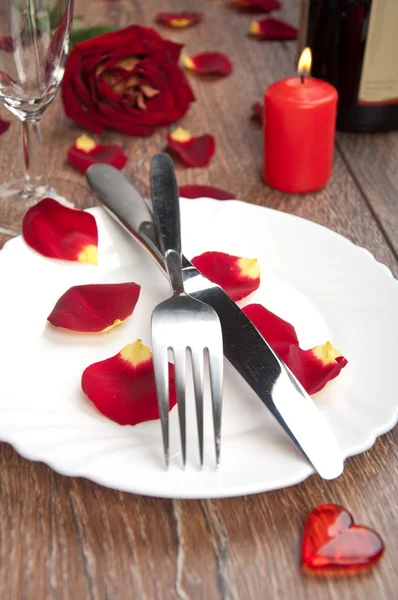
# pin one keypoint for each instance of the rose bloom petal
(95, 308)
(56, 231)
(123, 387)
(258, 112)
(208, 63)
(4, 125)
(87, 152)
(272, 30)
(205, 191)
(179, 20)
(127, 80)
(193, 151)
(313, 368)
(258, 5)
(238, 276)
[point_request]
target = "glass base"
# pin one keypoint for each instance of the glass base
(24, 192)
(15, 199)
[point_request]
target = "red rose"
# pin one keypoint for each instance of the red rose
(128, 80)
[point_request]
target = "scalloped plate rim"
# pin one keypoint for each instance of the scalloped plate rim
(390, 421)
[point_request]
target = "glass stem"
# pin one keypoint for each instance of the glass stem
(35, 180)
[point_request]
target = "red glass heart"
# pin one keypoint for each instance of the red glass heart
(332, 541)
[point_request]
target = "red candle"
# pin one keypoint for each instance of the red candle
(299, 131)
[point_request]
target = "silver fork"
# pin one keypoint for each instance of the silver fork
(182, 323)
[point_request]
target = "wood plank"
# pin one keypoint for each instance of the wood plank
(372, 160)
(5, 236)
(77, 539)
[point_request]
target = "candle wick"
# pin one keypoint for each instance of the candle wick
(302, 77)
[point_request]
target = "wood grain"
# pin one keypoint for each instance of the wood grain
(5, 236)
(372, 161)
(67, 538)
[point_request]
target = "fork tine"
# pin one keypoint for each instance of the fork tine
(180, 376)
(197, 368)
(216, 384)
(161, 368)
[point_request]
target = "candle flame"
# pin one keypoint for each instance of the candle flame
(304, 65)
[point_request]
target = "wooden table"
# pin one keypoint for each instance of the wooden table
(64, 538)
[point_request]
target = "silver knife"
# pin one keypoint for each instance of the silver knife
(244, 347)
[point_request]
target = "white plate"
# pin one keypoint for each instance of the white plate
(323, 284)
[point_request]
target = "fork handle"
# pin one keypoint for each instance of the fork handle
(166, 208)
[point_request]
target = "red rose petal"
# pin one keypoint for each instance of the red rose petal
(331, 541)
(4, 125)
(313, 368)
(57, 231)
(205, 191)
(272, 30)
(179, 20)
(123, 387)
(258, 112)
(208, 63)
(95, 307)
(279, 333)
(6, 43)
(258, 5)
(238, 276)
(87, 152)
(193, 151)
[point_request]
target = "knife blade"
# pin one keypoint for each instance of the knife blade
(244, 347)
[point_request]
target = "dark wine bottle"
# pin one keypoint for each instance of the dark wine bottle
(354, 47)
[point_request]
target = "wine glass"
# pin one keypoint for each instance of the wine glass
(34, 39)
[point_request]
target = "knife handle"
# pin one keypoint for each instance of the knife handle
(126, 206)
(123, 202)
(166, 209)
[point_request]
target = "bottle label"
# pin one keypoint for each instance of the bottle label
(379, 78)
